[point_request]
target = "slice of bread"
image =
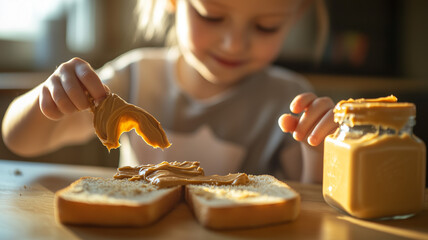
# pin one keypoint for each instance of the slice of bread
(124, 203)
(263, 201)
(114, 202)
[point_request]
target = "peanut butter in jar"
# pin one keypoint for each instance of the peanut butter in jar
(374, 166)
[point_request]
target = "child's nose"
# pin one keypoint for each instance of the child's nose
(235, 41)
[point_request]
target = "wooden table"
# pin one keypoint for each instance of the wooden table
(26, 212)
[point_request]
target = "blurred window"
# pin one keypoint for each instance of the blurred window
(21, 19)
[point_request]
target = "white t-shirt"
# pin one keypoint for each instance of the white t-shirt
(232, 132)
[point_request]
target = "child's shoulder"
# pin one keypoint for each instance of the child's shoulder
(145, 54)
(283, 77)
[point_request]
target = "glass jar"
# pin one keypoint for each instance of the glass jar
(374, 166)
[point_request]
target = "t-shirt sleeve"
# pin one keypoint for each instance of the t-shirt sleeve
(118, 73)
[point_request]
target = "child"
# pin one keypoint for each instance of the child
(214, 92)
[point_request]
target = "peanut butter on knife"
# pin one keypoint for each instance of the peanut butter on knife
(114, 116)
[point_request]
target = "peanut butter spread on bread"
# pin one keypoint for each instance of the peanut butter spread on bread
(113, 116)
(168, 174)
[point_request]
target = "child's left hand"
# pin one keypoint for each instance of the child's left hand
(315, 122)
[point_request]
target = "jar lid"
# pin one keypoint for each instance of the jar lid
(385, 111)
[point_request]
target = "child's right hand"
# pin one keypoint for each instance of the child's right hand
(66, 90)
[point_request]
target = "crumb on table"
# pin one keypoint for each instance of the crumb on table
(17, 172)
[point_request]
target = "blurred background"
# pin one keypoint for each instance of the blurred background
(374, 48)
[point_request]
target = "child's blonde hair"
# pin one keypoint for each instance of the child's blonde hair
(156, 24)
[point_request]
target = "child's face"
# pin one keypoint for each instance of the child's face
(226, 40)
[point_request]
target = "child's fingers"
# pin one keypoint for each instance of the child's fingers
(59, 96)
(107, 89)
(310, 118)
(48, 106)
(324, 127)
(288, 122)
(99, 100)
(74, 89)
(301, 102)
(89, 79)
(65, 91)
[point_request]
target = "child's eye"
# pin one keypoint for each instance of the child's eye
(212, 19)
(207, 17)
(267, 29)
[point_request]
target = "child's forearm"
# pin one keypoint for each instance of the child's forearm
(26, 131)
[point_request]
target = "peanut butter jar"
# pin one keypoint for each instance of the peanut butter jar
(374, 166)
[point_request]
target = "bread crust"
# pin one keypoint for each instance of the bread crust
(114, 215)
(243, 215)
